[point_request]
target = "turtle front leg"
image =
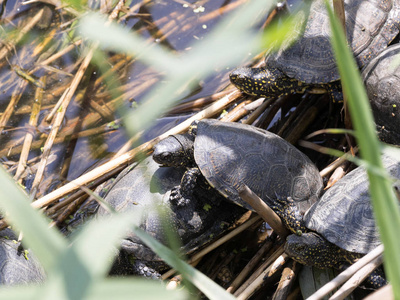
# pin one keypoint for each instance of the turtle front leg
(183, 193)
(335, 92)
(287, 210)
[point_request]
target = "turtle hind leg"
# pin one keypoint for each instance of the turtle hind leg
(183, 194)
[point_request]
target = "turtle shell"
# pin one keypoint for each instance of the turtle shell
(231, 154)
(382, 79)
(344, 215)
(370, 25)
(16, 267)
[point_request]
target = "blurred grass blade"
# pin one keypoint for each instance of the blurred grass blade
(117, 38)
(385, 204)
(90, 256)
(19, 292)
(96, 243)
(137, 288)
(283, 33)
(391, 150)
(202, 282)
(46, 243)
(111, 288)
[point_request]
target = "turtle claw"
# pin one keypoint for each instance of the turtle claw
(177, 198)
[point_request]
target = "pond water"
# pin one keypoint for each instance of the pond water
(173, 24)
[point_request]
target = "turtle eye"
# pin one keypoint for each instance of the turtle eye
(165, 156)
(300, 248)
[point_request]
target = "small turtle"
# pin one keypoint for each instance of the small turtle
(148, 186)
(338, 229)
(382, 80)
(310, 62)
(228, 155)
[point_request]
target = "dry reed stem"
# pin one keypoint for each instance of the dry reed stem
(36, 107)
(302, 124)
(32, 22)
(254, 116)
(46, 41)
(267, 117)
(277, 265)
(286, 282)
(299, 110)
(223, 10)
(47, 147)
(357, 279)
(200, 102)
(58, 55)
(237, 113)
(57, 106)
(15, 97)
(216, 244)
(256, 280)
(333, 165)
(134, 8)
(59, 207)
(129, 144)
(345, 275)
(250, 266)
(264, 211)
(72, 207)
(60, 139)
(337, 174)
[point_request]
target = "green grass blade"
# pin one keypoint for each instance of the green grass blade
(135, 288)
(95, 244)
(384, 202)
(90, 256)
(202, 282)
(47, 243)
(110, 288)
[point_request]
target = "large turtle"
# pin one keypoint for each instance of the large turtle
(382, 80)
(371, 25)
(148, 186)
(338, 229)
(228, 155)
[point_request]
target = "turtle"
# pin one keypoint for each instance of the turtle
(310, 63)
(340, 227)
(382, 80)
(147, 185)
(227, 155)
(18, 266)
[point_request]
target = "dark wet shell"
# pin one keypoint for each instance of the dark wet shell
(230, 154)
(344, 215)
(143, 183)
(370, 25)
(146, 185)
(382, 80)
(15, 268)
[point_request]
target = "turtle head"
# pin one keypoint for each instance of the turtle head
(312, 249)
(175, 151)
(263, 82)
